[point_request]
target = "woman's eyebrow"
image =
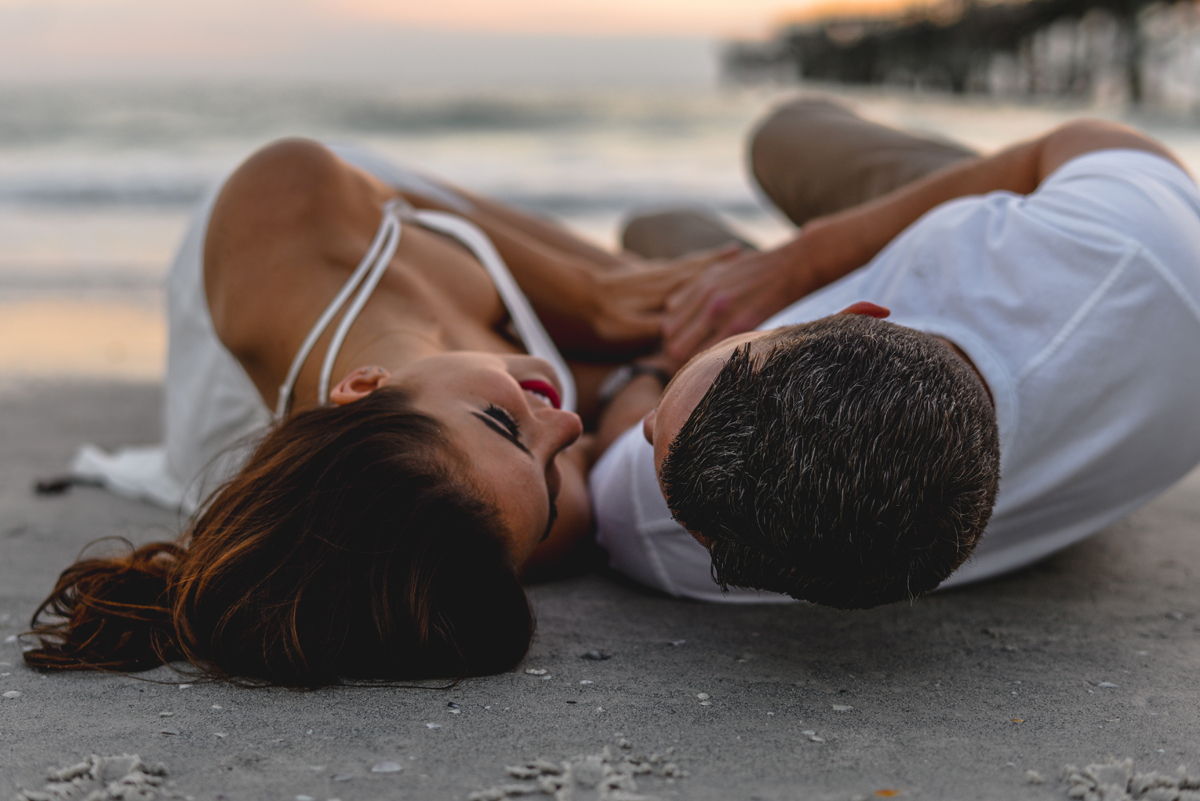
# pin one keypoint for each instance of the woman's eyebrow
(502, 431)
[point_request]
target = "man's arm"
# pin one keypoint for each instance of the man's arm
(737, 295)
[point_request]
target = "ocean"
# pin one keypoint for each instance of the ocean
(97, 182)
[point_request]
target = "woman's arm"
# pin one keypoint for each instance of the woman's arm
(592, 302)
(736, 296)
(548, 232)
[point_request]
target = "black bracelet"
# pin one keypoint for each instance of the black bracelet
(619, 379)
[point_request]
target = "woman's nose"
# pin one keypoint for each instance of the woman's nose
(564, 428)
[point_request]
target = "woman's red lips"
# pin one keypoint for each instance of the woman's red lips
(544, 388)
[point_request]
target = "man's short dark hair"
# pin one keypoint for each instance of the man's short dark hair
(854, 463)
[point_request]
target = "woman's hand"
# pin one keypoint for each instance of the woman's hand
(624, 305)
(731, 297)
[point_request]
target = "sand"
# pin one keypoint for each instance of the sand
(985, 692)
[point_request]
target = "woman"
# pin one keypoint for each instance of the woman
(421, 459)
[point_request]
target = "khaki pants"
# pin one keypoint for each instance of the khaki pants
(811, 157)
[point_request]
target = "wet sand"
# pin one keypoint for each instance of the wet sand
(1091, 654)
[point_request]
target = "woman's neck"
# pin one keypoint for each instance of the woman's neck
(394, 348)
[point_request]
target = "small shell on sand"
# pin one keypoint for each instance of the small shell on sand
(1108, 685)
(11, 694)
(536, 671)
(170, 730)
(433, 725)
(387, 766)
(842, 708)
(703, 696)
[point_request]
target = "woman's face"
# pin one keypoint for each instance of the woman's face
(501, 411)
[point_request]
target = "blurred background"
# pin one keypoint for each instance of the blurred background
(116, 115)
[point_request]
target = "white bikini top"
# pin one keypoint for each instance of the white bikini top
(371, 269)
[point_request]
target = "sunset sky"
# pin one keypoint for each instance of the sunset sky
(427, 40)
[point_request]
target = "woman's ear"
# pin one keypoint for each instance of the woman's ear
(359, 384)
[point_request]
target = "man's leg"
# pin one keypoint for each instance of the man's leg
(813, 156)
(667, 234)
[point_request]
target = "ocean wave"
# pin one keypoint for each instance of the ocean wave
(148, 116)
(104, 194)
(99, 195)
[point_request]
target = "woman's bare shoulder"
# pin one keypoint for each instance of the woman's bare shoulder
(274, 226)
(277, 192)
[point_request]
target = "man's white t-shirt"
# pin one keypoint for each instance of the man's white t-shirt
(1080, 306)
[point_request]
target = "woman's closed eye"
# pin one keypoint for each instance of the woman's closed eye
(506, 419)
(499, 420)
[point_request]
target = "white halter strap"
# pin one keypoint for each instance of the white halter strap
(371, 269)
(529, 327)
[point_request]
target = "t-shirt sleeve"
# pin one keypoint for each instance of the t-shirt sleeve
(619, 498)
(1131, 193)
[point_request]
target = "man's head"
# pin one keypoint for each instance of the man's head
(848, 461)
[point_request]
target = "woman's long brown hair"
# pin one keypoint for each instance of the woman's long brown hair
(350, 546)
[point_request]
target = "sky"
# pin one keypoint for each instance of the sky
(429, 42)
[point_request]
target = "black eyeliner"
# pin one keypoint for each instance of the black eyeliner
(501, 414)
(501, 430)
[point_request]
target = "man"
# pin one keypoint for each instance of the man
(1042, 338)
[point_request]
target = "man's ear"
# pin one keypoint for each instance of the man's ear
(648, 425)
(868, 309)
(359, 384)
